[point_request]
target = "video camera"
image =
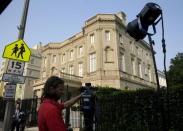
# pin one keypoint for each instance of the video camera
(88, 98)
(88, 106)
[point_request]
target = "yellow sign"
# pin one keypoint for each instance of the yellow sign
(17, 50)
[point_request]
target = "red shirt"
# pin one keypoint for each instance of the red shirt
(50, 117)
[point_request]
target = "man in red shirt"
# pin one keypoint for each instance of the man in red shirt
(49, 116)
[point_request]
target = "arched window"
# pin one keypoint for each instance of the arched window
(108, 54)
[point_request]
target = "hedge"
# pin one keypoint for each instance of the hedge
(139, 110)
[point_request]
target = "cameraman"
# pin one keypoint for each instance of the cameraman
(49, 116)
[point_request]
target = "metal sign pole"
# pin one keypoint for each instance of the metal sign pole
(8, 115)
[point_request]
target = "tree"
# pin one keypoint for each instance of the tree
(175, 73)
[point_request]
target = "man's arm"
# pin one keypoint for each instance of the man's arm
(72, 101)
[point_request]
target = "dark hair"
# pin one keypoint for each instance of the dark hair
(51, 83)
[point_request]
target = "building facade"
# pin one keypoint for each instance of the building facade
(102, 54)
(162, 79)
(2, 70)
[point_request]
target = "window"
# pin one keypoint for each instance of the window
(80, 52)
(132, 46)
(71, 54)
(92, 59)
(107, 35)
(145, 71)
(133, 66)
(45, 61)
(109, 54)
(92, 38)
(149, 72)
(80, 69)
(120, 38)
(122, 62)
(54, 59)
(71, 70)
(140, 69)
(63, 57)
(44, 74)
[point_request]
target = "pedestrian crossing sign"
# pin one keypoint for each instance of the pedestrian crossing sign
(17, 50)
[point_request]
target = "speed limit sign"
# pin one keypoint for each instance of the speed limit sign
(15, 67)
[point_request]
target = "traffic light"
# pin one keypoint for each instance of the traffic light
(4, 4)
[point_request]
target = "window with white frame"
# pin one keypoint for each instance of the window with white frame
(122, 62)
(92, 38)
(63, 57)
(80, 66)
(140, 69)
(80, 52)
(71, 54)
(92, 60)
(133, 66)
(71, 70)
(53, 59)
(107, 35)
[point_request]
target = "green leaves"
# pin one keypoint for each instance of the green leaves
(140, 110)
(175, 73)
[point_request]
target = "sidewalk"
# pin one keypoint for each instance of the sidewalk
(31, 129)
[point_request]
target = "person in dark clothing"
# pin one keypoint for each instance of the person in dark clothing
(16, 118)
(49, 115)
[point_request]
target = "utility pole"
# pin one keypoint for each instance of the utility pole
(10, 103)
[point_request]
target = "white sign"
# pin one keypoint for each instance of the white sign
(10, 90)
(15, 67)
(13, 78)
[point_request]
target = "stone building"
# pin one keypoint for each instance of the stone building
(2, 70)
(102, 54)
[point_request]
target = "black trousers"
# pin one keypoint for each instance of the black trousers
(15, 124)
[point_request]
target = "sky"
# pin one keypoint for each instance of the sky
(57, 20)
